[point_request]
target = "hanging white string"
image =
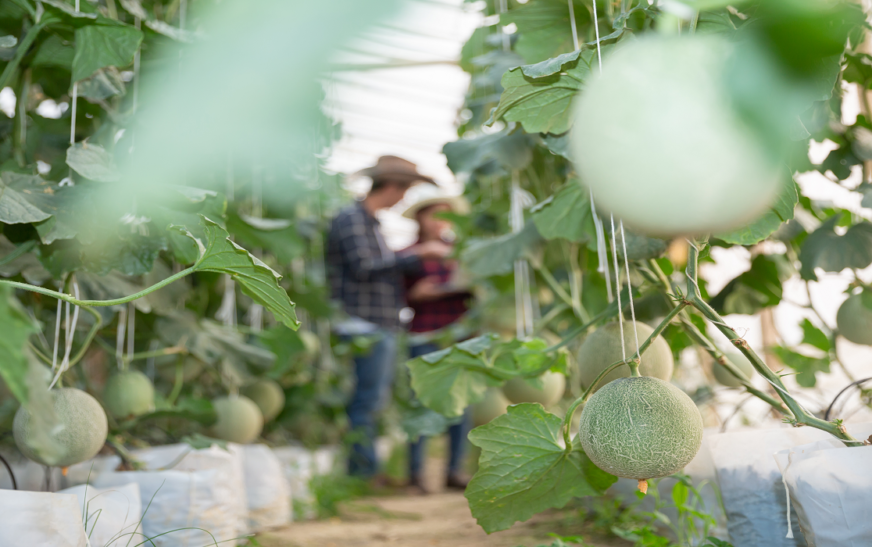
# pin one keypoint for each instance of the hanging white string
(618, 290)
(572, 25)
(119, 337)
(73, 101)
(69, 331)
(630, 285)
(57, 336)
(131, 329)
(599, 55)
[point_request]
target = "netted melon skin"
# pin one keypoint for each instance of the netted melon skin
(129, 393)
(239, 419)
(640, 428)
(267, 395)
(854, 320)
(517, 390)
(725, 378)
(82, 435)
(603, 348)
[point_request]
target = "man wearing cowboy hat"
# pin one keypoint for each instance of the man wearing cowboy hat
(367, 279)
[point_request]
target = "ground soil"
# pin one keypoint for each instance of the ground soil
(441, 519)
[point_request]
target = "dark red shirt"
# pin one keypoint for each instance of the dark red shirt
(435, 314)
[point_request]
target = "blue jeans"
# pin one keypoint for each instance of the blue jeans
(456, 433)
(374, 372)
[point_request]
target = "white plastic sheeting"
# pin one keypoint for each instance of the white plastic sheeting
(111, 515)
(40, 519)
(830, 488)
(267, 491)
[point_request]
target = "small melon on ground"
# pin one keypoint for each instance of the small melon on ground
(518, 390)
(640, 428)
(82, 433)
(267, 395)
(127, 394)
(724, 377)
(854, 320)
(239, 419)
(602, 348)
(491, 407)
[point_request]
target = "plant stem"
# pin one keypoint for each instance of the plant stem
(800, 415)
(23, 46)
(20, 250)
(559, 290)
(550, 316)
(155, 353)
(99, 303)
(609, 312)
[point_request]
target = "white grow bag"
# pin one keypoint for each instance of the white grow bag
(751, 484)
(40, 519)
(112, 514)
(830, 488)
(202, 489)
(298, 467)
(267, 491)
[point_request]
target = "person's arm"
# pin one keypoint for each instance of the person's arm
(353, 241)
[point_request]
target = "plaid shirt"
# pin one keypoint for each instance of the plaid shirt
(366, 276)
(435, 314)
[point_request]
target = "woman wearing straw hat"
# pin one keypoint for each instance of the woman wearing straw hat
(438, 300)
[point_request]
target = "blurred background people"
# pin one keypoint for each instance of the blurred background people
(438, 297)
(366, 277)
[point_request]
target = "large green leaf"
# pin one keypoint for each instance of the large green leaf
(806, 366)
(92, 162)
(566, 214)
(16, 328)
(544, 27)
(19, 198)
(831, 252)
(278, 238)
(524, 470)
(760, 287)
(544, 105)
(497, 256)
(219, 254)
(509, 150)
(781, 211)
(99, 46)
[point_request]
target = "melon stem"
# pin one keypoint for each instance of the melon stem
(643, 486)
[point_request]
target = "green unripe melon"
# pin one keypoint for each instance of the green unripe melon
(723, 376)
(518, 390)
(640, 428)
(665, 99)
(127, 394)
(267, 395)
(603, 348)
(491, 407)
(239, 419)
(82, 433)
(854, 320)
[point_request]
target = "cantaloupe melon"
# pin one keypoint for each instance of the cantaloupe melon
(239, 419)
(640, 428)
(82, 433)
(603, 348)
(491, 407)
(518, 390)
(724, 377)
(127, 394)
(267, 395)
(657, 141)
(854, 320)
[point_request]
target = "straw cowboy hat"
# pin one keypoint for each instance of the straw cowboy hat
(394, 169)
(425, 195)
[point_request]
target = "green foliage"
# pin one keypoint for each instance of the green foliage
(807, 367)
(566, 214)
(523, 469)
(16, 328)
(758, 288)
(831, 252)
(780, 212)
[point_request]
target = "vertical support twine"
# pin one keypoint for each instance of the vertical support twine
(119, 337)
(131, 329)
(618, 290)
(630, 294)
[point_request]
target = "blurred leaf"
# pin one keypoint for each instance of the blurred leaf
(523, 469)
(497, 256)
(640, 247)
(544, 28)
(827, 250)
(758, 288)
(257, 280)
(20, 198)
(92, 162)
(99, 46)
(781, 211)
(557, 144)
(17, 328)
(420, 421)
(199, 442)
(544, 105)
(105, 83)
(566, 214)
(551, 66)
(806, 366)
(509, 150)
(54, 52)
(814, 336)
(7, 42)
(187, 408)
(281, 240)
